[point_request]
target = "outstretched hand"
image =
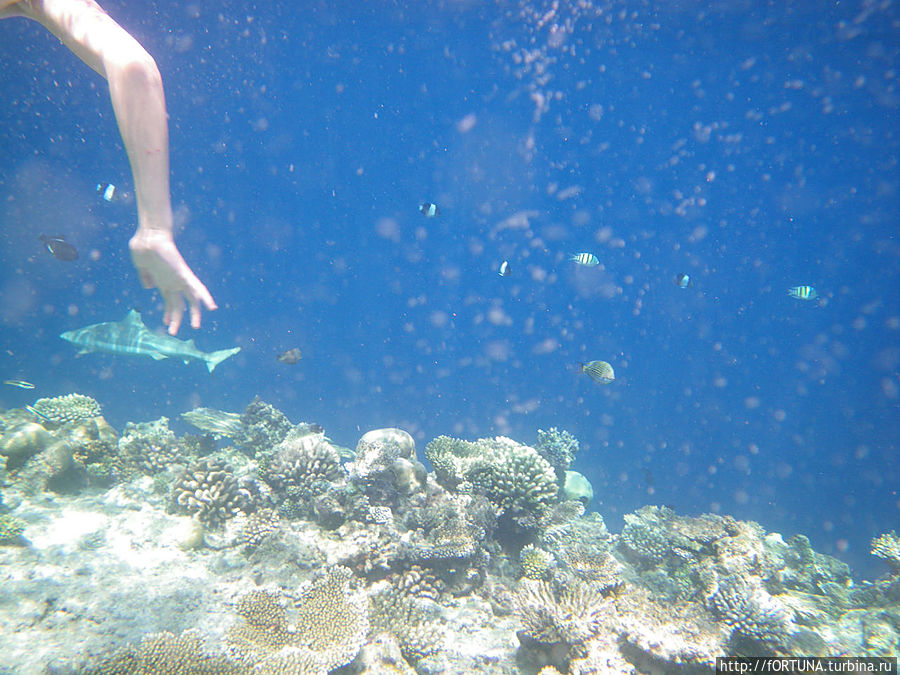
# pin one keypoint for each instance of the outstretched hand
(160, 265)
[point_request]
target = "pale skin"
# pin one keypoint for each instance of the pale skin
(135, 87)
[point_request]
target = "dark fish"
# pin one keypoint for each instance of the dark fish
(683, 280)
(429, 210)
(291, 356)
(59, 247)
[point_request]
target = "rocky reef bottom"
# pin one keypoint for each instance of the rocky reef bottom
(282, 553)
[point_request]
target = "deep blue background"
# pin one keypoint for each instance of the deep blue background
(752, 145)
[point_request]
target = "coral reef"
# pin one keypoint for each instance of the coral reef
(558, 447)
(536, 562)
(386, 467)
(262, 427)
(514, 477)
(413, 621)
(568, 614)
(301, 459)
(887, 546)
(63, 409)
(150, 447)
(167, 653)
(11, 529)
(747, 608)
(209, 492)
(327, 625)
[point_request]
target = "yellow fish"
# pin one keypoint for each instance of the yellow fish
(599, 371)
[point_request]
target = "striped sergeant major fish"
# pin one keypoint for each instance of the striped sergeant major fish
(586, 259)
(803, 292)
(131, 336)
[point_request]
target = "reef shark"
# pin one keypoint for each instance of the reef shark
(131, 336)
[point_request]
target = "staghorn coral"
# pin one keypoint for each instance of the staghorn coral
(208, 491)
(536, 562)
(413, 621)
(749, 610)
(551, 613)
(65, 409)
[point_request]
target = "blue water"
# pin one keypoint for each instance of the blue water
(752, 146)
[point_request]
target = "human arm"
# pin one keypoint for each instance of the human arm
(136, 90)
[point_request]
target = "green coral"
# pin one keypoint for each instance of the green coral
(64, 409)
(11, 529)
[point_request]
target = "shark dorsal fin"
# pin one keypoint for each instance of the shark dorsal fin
(134, 317)
(190, 343)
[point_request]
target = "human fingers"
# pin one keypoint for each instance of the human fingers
(174, 312)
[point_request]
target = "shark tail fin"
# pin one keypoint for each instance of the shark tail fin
(215, 358)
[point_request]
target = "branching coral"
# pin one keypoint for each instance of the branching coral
(325, 628)
(748, 609)
(887, 546)
(514, 477)
(551, 613)
(413, 621)
(208, 490)
(64, 409)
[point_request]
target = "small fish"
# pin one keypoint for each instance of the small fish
(106, 191)
(59, 247)
(215, 422)
(429, 210)
(599, 371)
(21, 384)
(504, 270)
(803, 292)
(586, 259)
(683, 280)
(290, 357)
